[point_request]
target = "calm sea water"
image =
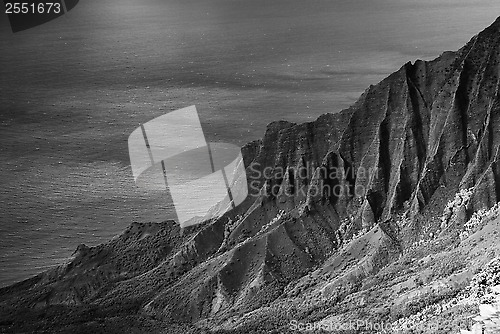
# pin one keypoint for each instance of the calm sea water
(72, 90)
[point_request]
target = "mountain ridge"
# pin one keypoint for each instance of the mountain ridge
(349, 198)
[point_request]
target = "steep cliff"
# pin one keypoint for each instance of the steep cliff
(335, 206)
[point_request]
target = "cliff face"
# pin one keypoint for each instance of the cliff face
(427, 125)
(333, 204)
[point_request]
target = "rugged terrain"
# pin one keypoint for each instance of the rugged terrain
(384, 212)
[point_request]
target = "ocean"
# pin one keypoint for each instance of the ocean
(73, 89)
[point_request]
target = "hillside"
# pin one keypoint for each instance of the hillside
(383, 212)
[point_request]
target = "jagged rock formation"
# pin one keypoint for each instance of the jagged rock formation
(334, 205)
